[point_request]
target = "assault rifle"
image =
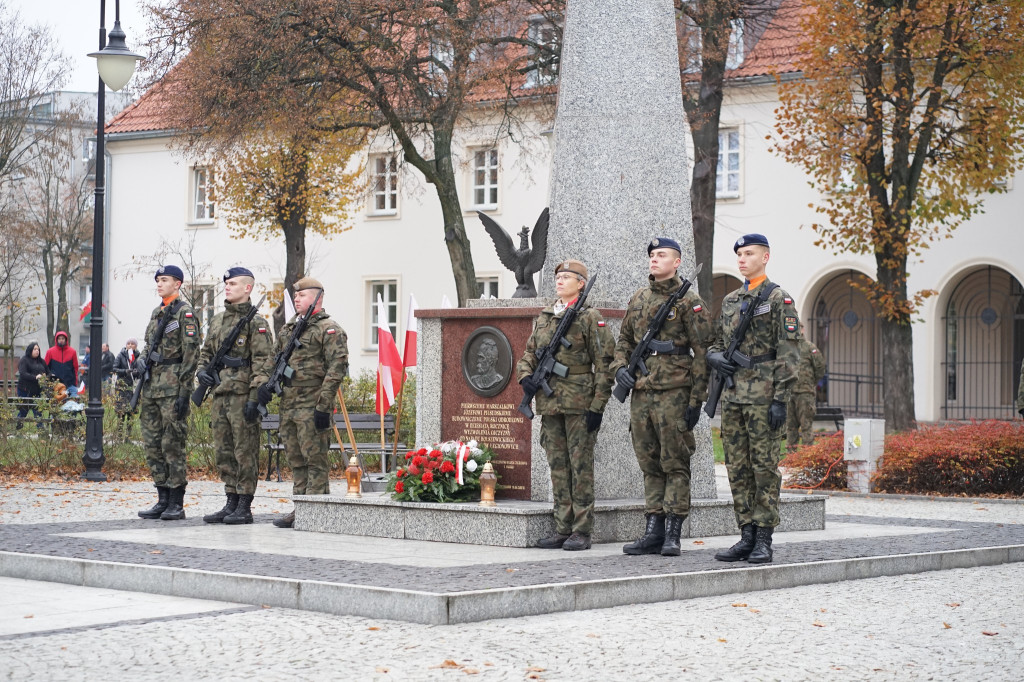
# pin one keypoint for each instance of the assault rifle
(152, 358)
(282, 371)
(547, 364)
(648, 344)
(732, 353)
(216, 363)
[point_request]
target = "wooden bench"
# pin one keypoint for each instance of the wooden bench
(360, 422)
(15, 405)
(824, 413)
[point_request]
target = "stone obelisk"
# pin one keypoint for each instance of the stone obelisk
(621, 176)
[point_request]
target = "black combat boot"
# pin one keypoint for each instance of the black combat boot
(242, 513)
(285, 521)
(553, 541)
(652, 539)
(741, 550)
(673, 529)
(176, 506)
(762, 553)
(577, 542)
(229, 506)
(157, 509)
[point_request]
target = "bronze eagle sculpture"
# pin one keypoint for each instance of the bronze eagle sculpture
(527, 259)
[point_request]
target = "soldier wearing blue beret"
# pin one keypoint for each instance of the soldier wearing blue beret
(172, 350)
(234, 419)
(665, 403)
(764, 370)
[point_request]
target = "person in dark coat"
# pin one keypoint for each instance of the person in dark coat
(107, 363)
(126, 371)
(31, 368)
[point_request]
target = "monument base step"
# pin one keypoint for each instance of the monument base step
(517, 523)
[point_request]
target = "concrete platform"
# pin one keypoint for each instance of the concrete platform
(520, 523)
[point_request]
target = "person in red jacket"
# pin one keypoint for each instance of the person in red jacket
(62, 362)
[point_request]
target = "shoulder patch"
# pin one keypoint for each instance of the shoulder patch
(190, 330)
(787, 300)
(697, 308)
(188, 314)
(261, 330)
(332, 331)
(600, 323)
(790, 324)
(813, 351)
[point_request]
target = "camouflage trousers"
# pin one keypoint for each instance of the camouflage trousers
(752, 454)
(800, 420)
(570, 451)
(237, 443)
(663, 447)
(163, 437)
(306, 449)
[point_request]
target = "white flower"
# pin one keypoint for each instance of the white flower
(472, 444)
(471, 465)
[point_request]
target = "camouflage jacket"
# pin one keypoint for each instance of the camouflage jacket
(181, 340)
(254, 345)
(810, 369)
(687, 326)
(319, 364)
(589, 382)
(777, 329)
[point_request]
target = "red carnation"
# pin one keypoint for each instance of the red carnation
(419, 461)
(421, 451)
(428, 477)
(408, 455)
(399, 487)
(400, 473)
(436, 454)
(414, 470)
(447, 467)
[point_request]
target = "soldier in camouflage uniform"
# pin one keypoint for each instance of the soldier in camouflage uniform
(307, 405)
(163, 406)
(665, 404)
(754, 410)
(801, 408)
(571, 417)
(234, 419)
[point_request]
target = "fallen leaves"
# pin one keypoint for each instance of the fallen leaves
(739, 604)
(818, 624)
(946, 625)
(989, 633)
(953, 605)
(373, 627)
(698, 542)
(722, 639)
(382, 669)
(157, 551)
(447, 664)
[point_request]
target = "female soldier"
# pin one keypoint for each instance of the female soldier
(571, 416)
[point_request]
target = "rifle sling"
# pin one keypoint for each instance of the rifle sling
(168, 361)
(232, 362)
(677, 350)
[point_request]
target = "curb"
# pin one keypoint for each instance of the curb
(901, 496)
(432, 608)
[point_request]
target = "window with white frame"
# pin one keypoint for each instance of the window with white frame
(387, 289)
(487, 287)
(202, 194)
(728, 180)
(385, 184)
(204, 298)
(485, 178)
(545, 34)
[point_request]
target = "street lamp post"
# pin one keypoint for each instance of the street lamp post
(115, 63)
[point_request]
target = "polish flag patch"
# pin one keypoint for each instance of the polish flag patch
(332, 331)
(698, 308)
(188, 314)
(601, 323)
(262, 330)
(787, 300)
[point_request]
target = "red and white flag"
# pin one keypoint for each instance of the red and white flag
(389, 361)
(86, 309)
(410, 334)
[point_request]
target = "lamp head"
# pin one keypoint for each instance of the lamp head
(115, 62)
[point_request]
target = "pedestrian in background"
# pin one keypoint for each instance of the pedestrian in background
(126, 373)
(801, 408)
(31, 369)
(62, 362)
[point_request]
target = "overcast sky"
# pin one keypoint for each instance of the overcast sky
(76, 24)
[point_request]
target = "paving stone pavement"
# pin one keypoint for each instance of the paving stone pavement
(951, 625)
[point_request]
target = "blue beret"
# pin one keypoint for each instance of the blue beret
(750, 240)
(238, 271)
(663, 243)
(172, 271)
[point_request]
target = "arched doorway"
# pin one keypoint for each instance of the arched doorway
(845, 329)
(721, 285)
(984, 344)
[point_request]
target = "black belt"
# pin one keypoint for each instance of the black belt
(746, 362)
(676, 350)
(168, 361)
(231, 362)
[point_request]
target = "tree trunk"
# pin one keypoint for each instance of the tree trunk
(897, 349)
(49, 299)
(294, 229)
(454, 227)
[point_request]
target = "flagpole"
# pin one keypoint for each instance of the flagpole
(348, 426)
(398, 419)
(380, 403)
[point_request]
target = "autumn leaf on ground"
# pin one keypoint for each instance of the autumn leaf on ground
(946, 625)
(989, 633)
(471, 671)
(953, 605)
(30, 616)
(818, 624)
(511, 570)
(722, 639)
(591, 634)
(739, 604)
(533, 676)
(755, 610)
(448, 663)
(382, 669)
(698, 542)
(488, 663)
(281, 499)
(157, 551)
(535, 669)
(373, 627)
